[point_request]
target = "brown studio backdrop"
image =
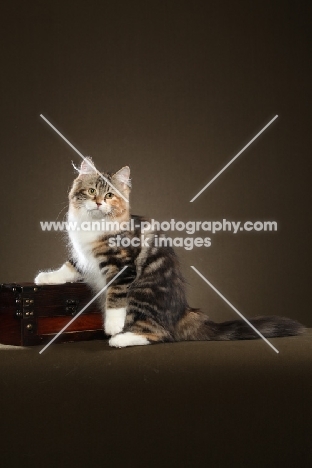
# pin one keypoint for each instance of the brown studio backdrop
(175, 91)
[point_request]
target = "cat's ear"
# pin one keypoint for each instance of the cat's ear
(87, 166)
(123, 177)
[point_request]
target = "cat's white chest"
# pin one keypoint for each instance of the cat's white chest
(82, 243)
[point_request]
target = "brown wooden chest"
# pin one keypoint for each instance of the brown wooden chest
(33, 315)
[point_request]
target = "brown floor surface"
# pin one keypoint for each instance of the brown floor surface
(194, 404)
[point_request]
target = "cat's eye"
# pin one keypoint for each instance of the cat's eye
(109, 195)
(91, 191)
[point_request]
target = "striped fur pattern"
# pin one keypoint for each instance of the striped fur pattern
(146, 304)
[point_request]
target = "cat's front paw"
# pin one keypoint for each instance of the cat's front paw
(63, 275)
(114, 321)
(49, 277)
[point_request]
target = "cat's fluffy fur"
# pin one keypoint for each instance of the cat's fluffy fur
(146, 304)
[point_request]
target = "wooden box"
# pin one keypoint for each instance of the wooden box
(33, 315)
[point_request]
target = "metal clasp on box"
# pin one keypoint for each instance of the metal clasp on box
(24, 305)
(72, 306)
(28, 305)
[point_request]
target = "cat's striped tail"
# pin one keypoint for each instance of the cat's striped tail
(195, 326)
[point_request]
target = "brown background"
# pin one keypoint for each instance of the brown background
(175, 90)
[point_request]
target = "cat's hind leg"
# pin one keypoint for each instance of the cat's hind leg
(123, 340)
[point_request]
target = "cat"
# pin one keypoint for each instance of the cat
(146, 303)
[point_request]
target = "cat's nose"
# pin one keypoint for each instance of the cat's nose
(98, 203)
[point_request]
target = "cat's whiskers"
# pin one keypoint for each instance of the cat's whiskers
(65, 207)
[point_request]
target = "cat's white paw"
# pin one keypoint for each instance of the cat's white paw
(49, 277)
(114, 321)
(63, 275)
(128, 339)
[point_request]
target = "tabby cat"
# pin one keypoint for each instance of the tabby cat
(145, 304)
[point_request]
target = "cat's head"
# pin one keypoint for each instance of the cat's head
(100, 195)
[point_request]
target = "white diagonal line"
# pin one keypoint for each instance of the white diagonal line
(83, 157)
(233, 159)
(83, 309)
(235, 310)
